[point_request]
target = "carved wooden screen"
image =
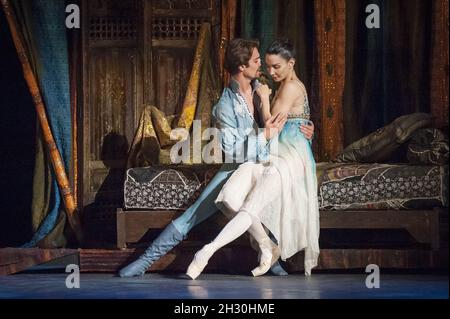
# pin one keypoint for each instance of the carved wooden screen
(112, 81)
(175, 26)
(135, 53)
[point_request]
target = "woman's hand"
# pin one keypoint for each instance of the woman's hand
(264, 92)
(307, 130)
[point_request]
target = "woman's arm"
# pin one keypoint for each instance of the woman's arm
(286, 98)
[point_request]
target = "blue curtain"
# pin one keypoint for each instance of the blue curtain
(387, 69)
(43, 28)
(258, 21)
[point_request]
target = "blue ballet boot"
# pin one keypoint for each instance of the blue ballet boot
(277, 270)
(169, 238)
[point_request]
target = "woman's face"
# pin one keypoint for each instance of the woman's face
(278, 67)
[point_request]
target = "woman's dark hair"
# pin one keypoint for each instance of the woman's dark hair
(239, 52)
(282, 47)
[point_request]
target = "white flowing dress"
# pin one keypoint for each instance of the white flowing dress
(282, 192)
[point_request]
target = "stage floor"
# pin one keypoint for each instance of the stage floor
(215, 286)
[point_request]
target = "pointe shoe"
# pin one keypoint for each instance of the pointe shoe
(265, 262)
(200, 261)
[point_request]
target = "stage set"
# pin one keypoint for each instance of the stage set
(91, 90)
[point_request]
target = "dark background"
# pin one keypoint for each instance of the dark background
(17, 145)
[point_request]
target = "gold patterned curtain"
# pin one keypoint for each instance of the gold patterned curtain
(151, 144)
(330, 45)
(439, 63)
(190, 100)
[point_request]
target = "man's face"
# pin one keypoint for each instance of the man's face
(252, 70)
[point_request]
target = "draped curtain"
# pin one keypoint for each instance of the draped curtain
(320, 55)
(42, 24)
(388, 68)
(258, 21)
(295, 21)
(360, 79)
(152, 141)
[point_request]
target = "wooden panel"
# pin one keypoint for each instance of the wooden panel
(14, 260)
(181, 44)
(112, 75)
(171, 32)
(422, 225)
(382, 219)
(182, 5)
(384, 258)
(111, 116)
(172, 69)
(112, 98)
(135, 53)
(182, 12)
(236, 259)
(177, 28)
(112, 23)
(110, 8)
(133, 226)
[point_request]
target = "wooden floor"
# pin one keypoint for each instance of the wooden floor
(14, 260)
(214, 286)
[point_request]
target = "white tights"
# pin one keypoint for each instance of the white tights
(256, 188)
(236, 227)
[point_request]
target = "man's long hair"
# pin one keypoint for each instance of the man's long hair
(239, 52)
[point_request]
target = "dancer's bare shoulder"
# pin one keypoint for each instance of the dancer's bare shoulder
(292, 90)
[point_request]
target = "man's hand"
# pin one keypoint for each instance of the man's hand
(307, 130)
(274, 125)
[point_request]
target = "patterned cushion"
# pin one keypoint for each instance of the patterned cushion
(383, 186)
(164, 189)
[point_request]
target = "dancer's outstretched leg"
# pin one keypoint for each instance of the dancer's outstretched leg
(267, 189)
(232, 230)
(234, 194)
(241, 223)
(269, 251)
